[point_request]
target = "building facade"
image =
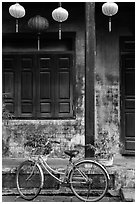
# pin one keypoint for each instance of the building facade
(74, 88)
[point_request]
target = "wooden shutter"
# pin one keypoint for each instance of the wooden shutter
(26, 86)
(45, 88)
(64, 86)
(55, 85)
(19, 84)
(9, 80)
(39, 85)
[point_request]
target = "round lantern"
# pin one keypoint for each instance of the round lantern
(60, 14)
(38, 24)
(109, 9)
(17, 11)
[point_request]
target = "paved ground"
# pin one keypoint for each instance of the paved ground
(54, 199)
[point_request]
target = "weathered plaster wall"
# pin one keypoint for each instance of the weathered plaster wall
(66, 132)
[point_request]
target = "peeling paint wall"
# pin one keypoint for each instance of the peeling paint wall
(66, 132)
(107, 86)
(107, 111)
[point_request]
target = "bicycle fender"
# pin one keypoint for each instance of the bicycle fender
(41, 171)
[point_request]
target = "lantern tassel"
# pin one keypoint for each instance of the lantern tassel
(17, 26)
(109, 24)
(59, 31)
(38, 41)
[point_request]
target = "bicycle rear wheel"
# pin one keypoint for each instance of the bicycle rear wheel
(29, 180)
(88, 181)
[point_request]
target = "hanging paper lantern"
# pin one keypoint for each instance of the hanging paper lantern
(17, 11)
(60, 14)
(38, 24)
(109, 9)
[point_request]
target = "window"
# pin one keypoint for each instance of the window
(39, 85)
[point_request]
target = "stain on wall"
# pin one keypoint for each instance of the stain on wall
(107, 110)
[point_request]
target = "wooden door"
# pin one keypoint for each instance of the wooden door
(127, 55)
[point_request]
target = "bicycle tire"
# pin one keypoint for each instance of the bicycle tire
(29, 179)
(89, 181)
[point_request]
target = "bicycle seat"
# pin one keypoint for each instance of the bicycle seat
(71, 153)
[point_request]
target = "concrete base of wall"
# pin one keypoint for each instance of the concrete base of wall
(9, 181)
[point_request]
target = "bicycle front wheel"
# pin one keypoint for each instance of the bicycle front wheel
(29, 180)
(88, 181)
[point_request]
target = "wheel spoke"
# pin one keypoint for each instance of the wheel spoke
(89, 188)
(82, 174)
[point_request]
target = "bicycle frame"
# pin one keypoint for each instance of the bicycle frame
(52, 172)
(41, 162)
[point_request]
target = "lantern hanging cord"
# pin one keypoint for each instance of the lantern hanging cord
(38, 41)
(60, 4)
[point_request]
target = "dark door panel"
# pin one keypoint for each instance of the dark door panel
(128, 94)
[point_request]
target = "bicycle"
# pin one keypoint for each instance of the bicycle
(87, 179)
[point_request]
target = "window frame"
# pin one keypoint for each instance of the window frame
(18, 91)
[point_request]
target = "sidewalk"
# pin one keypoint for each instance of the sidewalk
(123, 172)
(54, 198)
